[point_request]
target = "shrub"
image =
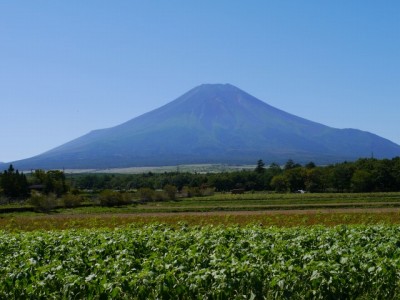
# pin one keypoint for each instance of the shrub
(160, 196)
(197, 191)
(146, 194)
(208, 191)
(44, 203)
(72, 200)
(170, 190)
(112, 198)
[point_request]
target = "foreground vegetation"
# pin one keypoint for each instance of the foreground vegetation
(203, 236)
(164, 262)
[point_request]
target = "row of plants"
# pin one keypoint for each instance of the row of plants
(101, 218)
(180, 262)
(76, 198)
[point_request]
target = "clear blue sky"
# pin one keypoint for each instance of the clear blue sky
(69, 67)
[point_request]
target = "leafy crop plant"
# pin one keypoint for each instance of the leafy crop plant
(164, 262)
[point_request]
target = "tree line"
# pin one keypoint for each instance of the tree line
(363, 175)
(17, 186)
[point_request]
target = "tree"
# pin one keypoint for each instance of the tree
(296, 178)
(170, 190)
(260, 167)
(361, 181)
(396, 172)
(383, 176)
(290, 164)
(310, 165)
(56, 183)
(280, 183)
(314, 180)
(341, 176)
(52, 181)
(14, 184)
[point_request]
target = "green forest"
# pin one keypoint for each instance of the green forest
(363, 175)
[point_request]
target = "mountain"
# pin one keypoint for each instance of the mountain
(213, 123)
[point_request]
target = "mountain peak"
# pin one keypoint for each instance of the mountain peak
(217, 86)
(211, 94)
(213, 123)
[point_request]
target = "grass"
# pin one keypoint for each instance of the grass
(267, 209)
(62, 222)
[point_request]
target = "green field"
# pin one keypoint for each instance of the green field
(181, 262)
(251, 246)
(248, 201)
(273, 201)
(269, 209)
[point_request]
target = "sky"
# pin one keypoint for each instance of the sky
(70, 67)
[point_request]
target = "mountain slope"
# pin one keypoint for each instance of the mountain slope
(213, 123)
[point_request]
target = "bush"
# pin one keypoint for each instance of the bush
(44, 203)
(146, 194)
(170, 190)
(160, 196)
(71, 200)
(197, 191)
(112, 198)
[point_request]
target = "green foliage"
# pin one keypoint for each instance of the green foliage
(146, 194)
(71, 200)
(260, 167)
(112, 198)
(13, 184)
(43, 203)
(163, 262)
(52, 181)
(361, 181)
(280, 183)
(341, 177)
(170, 190)
(197, 191)
(314, 181)
(296, 178)
(290, 164)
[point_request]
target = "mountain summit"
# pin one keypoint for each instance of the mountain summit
(213, 123)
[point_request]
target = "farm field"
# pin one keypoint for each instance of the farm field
(223, 209)
(273, 201)
(202, 262)
(287, 218)
(251, 246)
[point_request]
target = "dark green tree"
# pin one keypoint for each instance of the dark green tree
(290, 164)
(341, 176)
(315, 180)
(14, 184)
(361, 181)
(260, 168)
(280, 183)
(384, 180)
(310, 165)
(52, 181)
(296, 178)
